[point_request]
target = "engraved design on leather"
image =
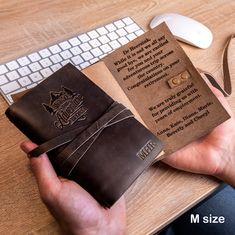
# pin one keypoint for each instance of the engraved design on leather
(146, 150)
(67, 106)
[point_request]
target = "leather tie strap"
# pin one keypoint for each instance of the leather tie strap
(80, 142)
(54, 143)
(70, 156)
(226, 71)
(227, 90)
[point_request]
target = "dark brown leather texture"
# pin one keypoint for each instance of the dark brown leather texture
(90, 138)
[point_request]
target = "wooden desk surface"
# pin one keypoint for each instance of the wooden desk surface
(158, 196)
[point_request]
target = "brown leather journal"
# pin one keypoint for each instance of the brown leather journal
(89, 137)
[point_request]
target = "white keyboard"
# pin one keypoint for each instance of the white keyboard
(82, 50)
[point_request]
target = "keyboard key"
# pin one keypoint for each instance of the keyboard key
(123, 40)
(74, 41)
(121, 32)
(127, 20)
(23, 61)
(45, 62)
(3, 79)
(64, 62)
(55, 67)
(102, 56)
(111, 27)
(132, 28)
(119, 24)
(114, 44)
(112, 36)
(9, 99)
(17, 91)
(106, 48)
(65, 45)
(102, 30)
(95, 43)
(66, 54)
(139, 32)
(12, 65)
(24, 71)
(46, 72)
(77, 60)
(3, 69)
(55, 49)
(84, 65)
(104, 39)
(93, 34)
(37, 76)
(76, 50)
(32, 85)
(92, 61)
(13, 75)
(45, 53)
(87, 56)
(96, 52)
(131, 36)
(9, 87)
(35, 66)
(84, 38)
(85, 46)
(34, 57)
(56, 58)
(25, 81)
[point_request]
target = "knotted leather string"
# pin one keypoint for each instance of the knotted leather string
(227, 88)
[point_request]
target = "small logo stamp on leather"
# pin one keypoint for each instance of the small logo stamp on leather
(67, 107)
(146, 150)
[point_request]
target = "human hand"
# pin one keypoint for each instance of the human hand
(213, 154)
(74, 208)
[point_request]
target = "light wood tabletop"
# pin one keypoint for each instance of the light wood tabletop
(161, 194)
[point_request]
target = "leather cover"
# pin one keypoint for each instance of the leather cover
(90, 138)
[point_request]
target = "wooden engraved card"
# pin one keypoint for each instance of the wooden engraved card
(165, 88)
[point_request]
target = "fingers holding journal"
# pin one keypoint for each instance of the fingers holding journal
(47, 179)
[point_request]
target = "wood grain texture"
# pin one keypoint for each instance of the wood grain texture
(158, 196)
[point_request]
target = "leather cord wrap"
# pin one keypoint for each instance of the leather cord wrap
(114, 112)
(78, 144)
(70, 156)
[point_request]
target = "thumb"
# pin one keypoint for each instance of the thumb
(48, 182)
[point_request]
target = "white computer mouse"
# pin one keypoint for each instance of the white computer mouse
(185, 29)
